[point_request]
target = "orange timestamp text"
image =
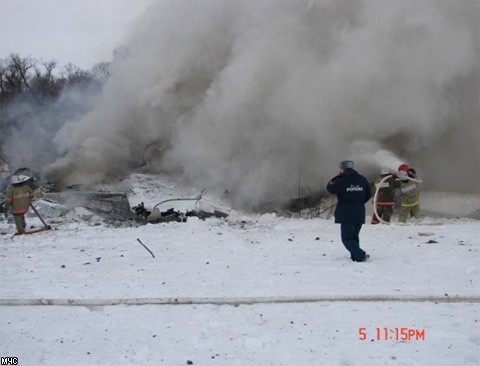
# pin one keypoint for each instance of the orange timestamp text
(392, 334)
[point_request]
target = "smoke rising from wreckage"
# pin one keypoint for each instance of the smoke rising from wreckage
(262, 99)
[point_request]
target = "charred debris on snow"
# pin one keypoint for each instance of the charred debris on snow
(86, 204)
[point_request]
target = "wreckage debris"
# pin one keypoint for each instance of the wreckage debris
(141, 211)
(78, 202)
(202, 215)
(109, 205)
(153, 255)
(170, 215)
(155, 216)
(310, 206)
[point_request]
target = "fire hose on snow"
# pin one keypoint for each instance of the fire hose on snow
(197, 198)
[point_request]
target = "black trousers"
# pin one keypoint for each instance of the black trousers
(351, 240)
(384, 211)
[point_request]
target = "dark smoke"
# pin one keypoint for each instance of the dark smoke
(254, 97)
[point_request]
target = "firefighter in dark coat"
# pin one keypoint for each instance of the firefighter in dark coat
(385, 196)
(353, 191)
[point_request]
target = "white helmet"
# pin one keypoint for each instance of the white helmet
(384, 171)
(19, 178)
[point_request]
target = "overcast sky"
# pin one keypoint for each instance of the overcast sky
(83, 32)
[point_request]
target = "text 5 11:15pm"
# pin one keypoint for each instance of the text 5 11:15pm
(392, 334)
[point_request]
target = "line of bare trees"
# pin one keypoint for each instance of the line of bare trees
(29, 78)
(36, 85)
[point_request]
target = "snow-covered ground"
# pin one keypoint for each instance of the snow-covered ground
(246, 290)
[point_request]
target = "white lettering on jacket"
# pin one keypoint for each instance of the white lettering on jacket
(383, 185)
(354, 189)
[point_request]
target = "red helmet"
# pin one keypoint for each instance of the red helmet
(404, 167)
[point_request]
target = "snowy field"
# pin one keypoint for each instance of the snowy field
(246, 290)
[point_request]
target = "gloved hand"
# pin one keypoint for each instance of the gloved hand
(412, 173)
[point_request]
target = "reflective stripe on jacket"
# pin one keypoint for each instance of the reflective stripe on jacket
(410, 204)
(19, 198)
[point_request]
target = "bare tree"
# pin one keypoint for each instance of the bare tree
(121, 52)
(3, 80)
(21, 75)
(44, 81)
(101, 71)
(19, 70)
(74, 75)
(29, 90)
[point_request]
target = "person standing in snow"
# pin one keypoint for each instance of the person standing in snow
(353, 191)
(409, 193)
(385, 196)
(19, 197)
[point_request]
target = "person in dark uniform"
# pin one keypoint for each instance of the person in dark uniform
(353, 191)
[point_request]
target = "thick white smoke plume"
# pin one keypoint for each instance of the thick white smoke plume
(252, 96)
(28, 126)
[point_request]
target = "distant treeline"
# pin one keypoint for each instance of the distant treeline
(30, 87)
(41, 81)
